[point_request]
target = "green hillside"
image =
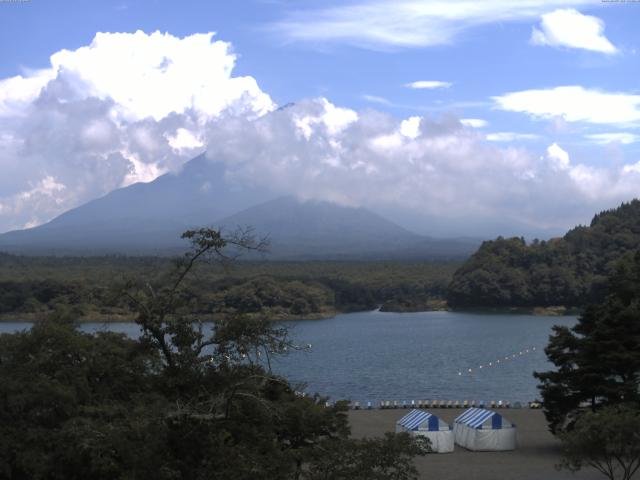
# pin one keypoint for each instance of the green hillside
(569, 271)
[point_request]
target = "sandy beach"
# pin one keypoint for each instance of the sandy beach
(534, 459)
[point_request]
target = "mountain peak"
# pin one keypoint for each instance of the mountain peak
(148, 218)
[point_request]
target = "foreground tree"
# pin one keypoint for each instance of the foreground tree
(598, 360)
(184, 401)
(607, 440)
(388, 458)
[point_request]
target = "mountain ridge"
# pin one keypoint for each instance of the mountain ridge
(148, 218)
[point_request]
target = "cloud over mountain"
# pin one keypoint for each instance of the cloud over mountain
(125, 108)
(129, 107)
(434, 167)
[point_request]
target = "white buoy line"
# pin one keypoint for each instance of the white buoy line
(498, 362)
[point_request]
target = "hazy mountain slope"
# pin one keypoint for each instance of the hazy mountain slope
(148, 218)
(315, 229)
(144, 217)
(570, 271)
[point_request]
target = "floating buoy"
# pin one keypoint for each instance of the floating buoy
(497, 362)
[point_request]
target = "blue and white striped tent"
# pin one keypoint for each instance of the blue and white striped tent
(420, 422)
(482, 429)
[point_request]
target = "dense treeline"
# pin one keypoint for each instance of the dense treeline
(89, 287)
(568, 271)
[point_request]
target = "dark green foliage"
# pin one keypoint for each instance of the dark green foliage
(65, 398)
(269, 296)
(387, 458)
(569, 271)
(33, 287)
(178, 403)
(598, 360)
(608, 440)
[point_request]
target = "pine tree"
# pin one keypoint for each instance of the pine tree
(597, 360)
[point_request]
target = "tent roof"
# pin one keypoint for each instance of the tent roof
(475, 417)
(415, 418)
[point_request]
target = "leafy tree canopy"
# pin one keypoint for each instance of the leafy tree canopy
(181, 402)
(608, 441)
(598, 360)
(569, 271)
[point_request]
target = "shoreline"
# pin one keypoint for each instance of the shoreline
(554, 311)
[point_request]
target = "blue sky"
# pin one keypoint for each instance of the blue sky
(362, 56)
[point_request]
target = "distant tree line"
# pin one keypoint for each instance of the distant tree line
(35, 287)
(569, 271)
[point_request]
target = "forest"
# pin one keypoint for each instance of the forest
(32, 288)
(570, 271)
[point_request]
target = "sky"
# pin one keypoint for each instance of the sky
(449, 117)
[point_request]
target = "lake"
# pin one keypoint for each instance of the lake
(370, 356)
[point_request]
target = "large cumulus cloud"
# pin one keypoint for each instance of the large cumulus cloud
(130, 107)
(425, 169)
(126, 108)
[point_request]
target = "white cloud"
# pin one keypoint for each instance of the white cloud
(376, 99)
(47, 187)
(159, 74)
(474, 122)
(624, 138)
(333, 119)
(38, 195)
(18, 92)
(382, 25)
(558, 157)
(572, 29)
(428, 84)
(410, 127)
(510, 136)
(630, 169)
(124, 109)
(184, 140)
(65, 139)
(433, 169)
(574, 104)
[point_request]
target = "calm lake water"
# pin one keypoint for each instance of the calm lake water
(370, 356)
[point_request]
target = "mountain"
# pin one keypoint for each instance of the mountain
(140, 218)
(148, 218)
(315, 229)
(567, 271)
